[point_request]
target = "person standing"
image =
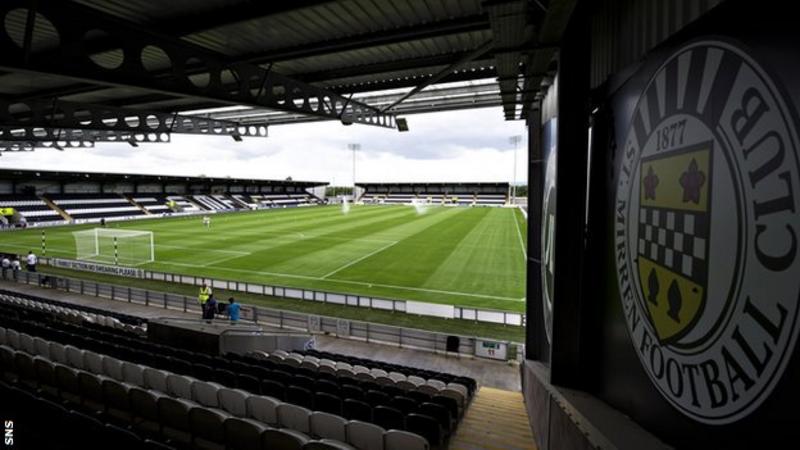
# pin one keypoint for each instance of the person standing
(233, 310)
(203, 296)
(6, 264)
(15, 266)
(32, 261)
(211, 309)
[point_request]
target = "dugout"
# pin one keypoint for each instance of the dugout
(664, 161)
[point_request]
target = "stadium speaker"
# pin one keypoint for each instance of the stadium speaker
(402, 124)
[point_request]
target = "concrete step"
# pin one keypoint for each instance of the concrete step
(496, 419)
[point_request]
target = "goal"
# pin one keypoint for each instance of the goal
(114, 246)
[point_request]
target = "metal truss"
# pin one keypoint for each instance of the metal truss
(37, 120)
(88, 45)
(45, 135)
(29, 146)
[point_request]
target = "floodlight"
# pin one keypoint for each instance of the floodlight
(402, 124)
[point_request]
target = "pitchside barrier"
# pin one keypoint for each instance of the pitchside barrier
(406, 306)
(342, 328)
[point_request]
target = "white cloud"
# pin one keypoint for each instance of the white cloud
(467, 145)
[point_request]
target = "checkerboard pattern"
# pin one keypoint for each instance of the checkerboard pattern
(674, 239)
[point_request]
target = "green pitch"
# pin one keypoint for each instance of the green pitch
(462, 256)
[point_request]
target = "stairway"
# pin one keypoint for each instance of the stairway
(56, 208)
(133, 202)
(497, 420)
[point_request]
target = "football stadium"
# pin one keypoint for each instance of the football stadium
(399, 225)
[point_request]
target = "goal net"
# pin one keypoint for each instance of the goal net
(114, 246)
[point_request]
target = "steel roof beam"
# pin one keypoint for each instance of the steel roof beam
(41, 134)
(477, 53)
(126, 66)
(38, 120)
(384, 37)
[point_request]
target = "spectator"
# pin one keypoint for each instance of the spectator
(211, 309)
(233, 310)
(15, 266)
(6, 264)
(32, 261)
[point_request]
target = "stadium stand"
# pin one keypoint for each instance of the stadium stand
(246, 201)
(490, 199)
(154, 204)
(52, 196)
(210, 202)
(183, 203)
(95, 206)
(33, 208)
(225, 200)
(473, 194)
(169, 394)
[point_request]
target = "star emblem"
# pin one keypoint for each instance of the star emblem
(650, 183)
(691, 181)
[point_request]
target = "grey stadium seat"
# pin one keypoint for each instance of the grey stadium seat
(264, 409)
(275, 439)
(173, 415)
(365, 435)
(294, 417)
(207, 428)
(243, 434)
(328, 426)
(403, 440)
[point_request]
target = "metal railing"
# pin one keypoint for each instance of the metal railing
(289, 320)
(395, 305)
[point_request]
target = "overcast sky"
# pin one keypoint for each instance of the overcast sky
(467, 145)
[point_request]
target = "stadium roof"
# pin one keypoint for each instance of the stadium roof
(440, 184)
(74, 177)
(340, 57)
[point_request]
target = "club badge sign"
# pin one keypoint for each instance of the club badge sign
(706, 231)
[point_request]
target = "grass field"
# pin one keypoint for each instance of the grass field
(464, 256)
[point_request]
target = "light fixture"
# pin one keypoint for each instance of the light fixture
(402, 124)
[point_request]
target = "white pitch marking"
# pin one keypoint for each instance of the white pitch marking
(181, 247)
(360, 283)
(223, 259)
(359, 259)
(519, 235)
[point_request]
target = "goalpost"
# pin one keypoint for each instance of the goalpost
(115, 246)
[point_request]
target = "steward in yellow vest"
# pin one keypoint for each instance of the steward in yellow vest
(205, 293)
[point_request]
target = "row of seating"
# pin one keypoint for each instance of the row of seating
(183, 203)
(155, 204)
(95, 313)
(66, 426)
(209, 202)
(464, 198)
(385, 412)
(468, 382)
(353, 395)
(33, 208)
(72, 314)
(184, 410)
(431, 382)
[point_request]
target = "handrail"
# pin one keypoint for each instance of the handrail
(296, 322)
